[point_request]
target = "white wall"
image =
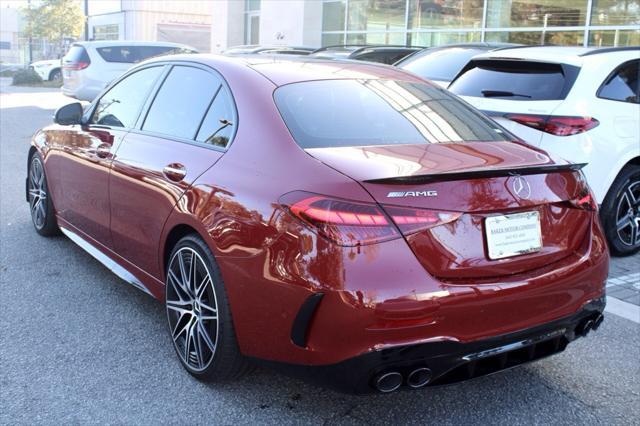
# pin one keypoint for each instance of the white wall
(9, 23)
(282, 22)
(227, 28)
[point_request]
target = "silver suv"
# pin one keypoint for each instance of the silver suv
(88, 67)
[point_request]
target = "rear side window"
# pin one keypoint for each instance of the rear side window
(442, 65)
(76, 54)
(623, 84)
(513, 80)
(219, 123)
(342, 113)
(121, 105)
(181, 102)
(134, 54)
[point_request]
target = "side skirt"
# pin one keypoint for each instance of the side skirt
(105, 259)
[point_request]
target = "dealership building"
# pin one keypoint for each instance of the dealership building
(425, 22)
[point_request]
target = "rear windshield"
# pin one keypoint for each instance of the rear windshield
(439, 64)
(134, 54)
(76, 53)
(513, 80)
(342, 113)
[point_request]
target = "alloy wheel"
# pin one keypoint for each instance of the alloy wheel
(628, 215)
(37, 193)
(192, 309)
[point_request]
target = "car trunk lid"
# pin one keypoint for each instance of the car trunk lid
(475, 181)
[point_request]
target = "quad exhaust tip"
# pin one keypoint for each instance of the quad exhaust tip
(597, 322)
(388, 382)
(419, 377)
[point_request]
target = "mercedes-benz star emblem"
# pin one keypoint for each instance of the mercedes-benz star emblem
(521, 187)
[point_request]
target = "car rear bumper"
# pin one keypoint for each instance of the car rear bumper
(448, 361)
(305, 301)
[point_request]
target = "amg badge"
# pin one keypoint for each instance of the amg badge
(398, 194)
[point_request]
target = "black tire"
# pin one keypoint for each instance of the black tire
(43, 215)
(56, 75)
(622, 206)
(226, 362)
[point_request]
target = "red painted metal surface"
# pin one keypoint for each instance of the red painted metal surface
(438, 284)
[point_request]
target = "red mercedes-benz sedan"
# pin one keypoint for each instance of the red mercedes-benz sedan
(347, 221)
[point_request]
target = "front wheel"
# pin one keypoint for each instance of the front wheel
(42, 213)
(620, 212)
(199, 316)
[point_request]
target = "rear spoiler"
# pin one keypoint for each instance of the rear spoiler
(479, 174)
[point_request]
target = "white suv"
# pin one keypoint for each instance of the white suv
(582, 104)
(88, 67)
(48, 70)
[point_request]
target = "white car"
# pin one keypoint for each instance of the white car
(48, 70)
(582, 104)
(88, 67)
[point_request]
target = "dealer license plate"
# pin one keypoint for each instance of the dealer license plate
(513, 234)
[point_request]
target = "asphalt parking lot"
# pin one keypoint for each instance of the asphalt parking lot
(78, 345)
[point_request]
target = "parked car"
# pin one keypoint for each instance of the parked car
(89, 66)
(582, 104)
(441, 64)
(252, 49)
(383, 54)
(379, 232)
(48, 70)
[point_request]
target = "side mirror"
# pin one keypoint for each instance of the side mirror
(69, 114)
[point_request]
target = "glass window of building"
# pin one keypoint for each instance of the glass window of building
(332, 39)
(602, 38)
(377, 15)
(438, 38)
(536, 13)
(106, 32)
(557, 38)
(333, 15)
(615, 12)
(251, 5)
(376, 38)
(426, 14)
(441, 22)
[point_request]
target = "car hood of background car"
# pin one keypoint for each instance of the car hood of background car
(368, 163)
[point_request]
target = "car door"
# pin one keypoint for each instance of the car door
(87, 152)
(185, 130)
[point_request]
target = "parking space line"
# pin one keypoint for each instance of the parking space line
(623, 309)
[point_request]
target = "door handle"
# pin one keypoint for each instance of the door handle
(174, 172)
(103, 150)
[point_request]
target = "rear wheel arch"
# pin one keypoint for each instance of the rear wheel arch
(176, 233)
(634, 161)
(610, 207)
(32, 151)
(52, 73)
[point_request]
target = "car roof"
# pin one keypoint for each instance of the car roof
(113, 43)
(555, 54)
(286, 69)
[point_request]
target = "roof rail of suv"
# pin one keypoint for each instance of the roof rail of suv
(597, 51)
(358, 47)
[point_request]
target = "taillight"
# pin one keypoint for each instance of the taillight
(585, 199)
(353, 223)
(76, 66)
(410, 220)
(585, 202)
(555, 125)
